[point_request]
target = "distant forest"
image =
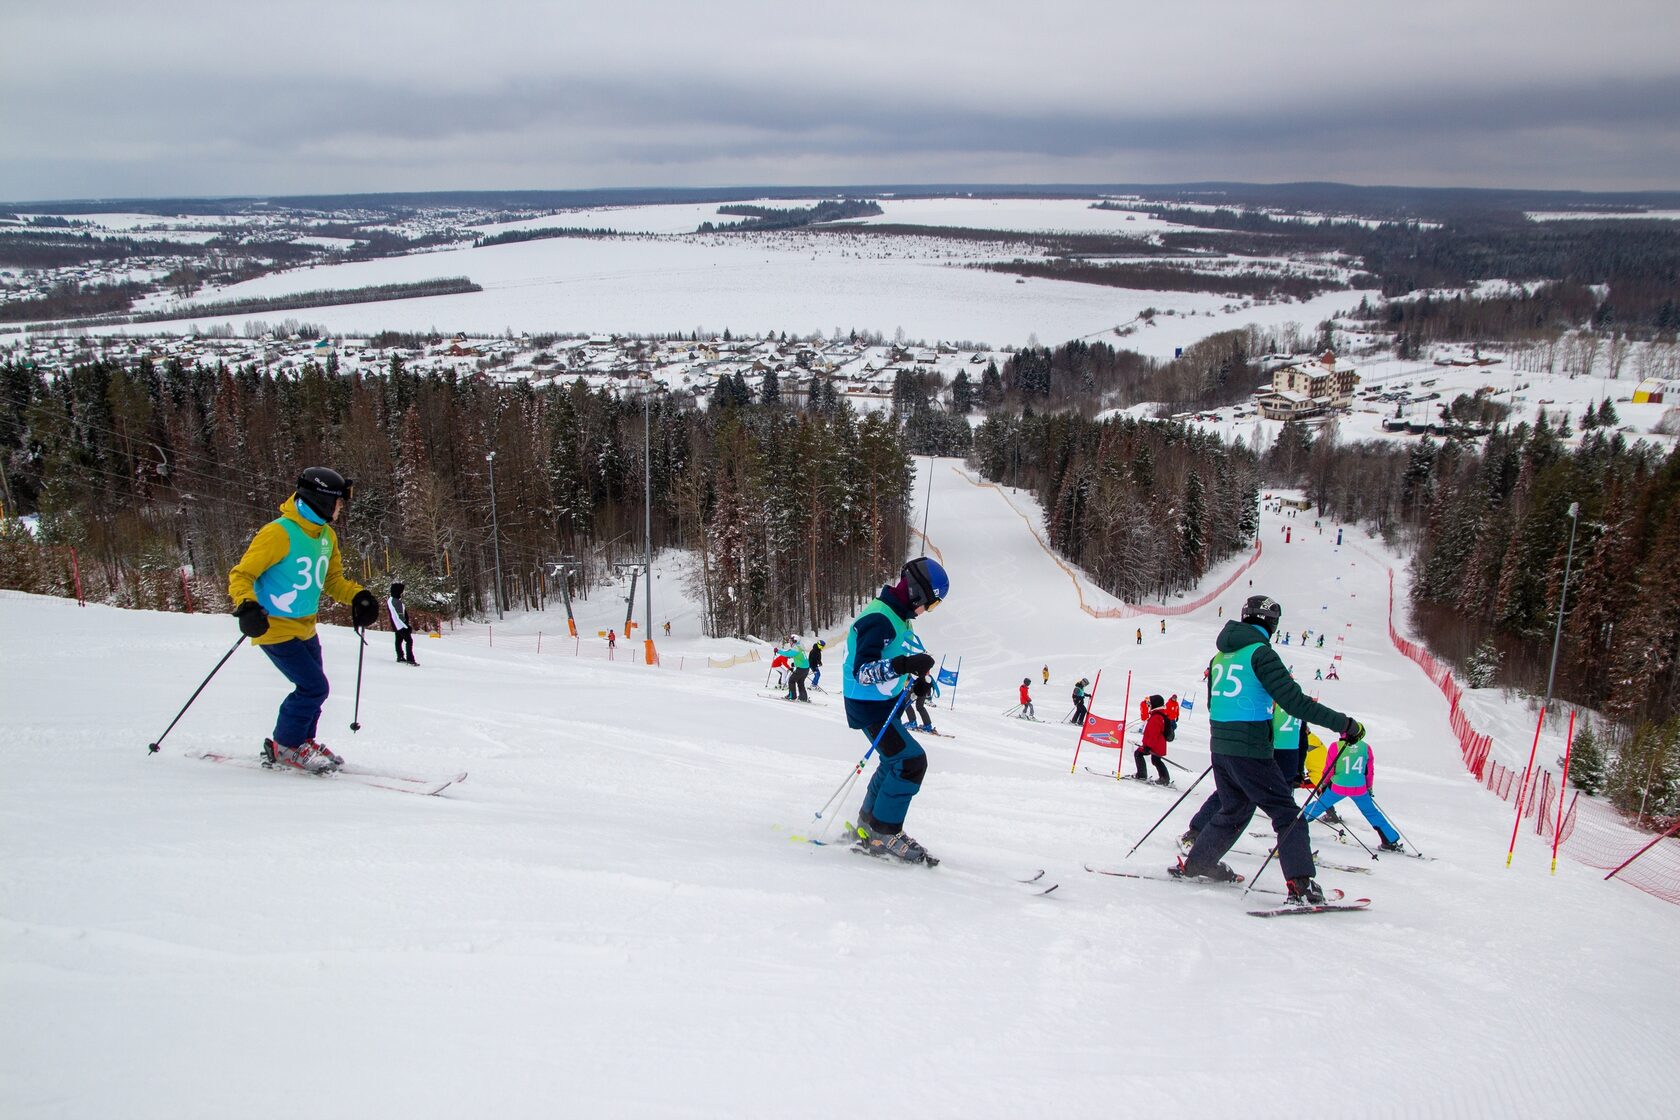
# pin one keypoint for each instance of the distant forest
(794, 515)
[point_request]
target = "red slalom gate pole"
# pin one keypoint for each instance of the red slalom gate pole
(1090, 705)
(1125, 718)
(1563, 788)
(1522, 790)
(1646, 848)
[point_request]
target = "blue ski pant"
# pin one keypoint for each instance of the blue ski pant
(1317, 807)
(300, 662)
(897, 778)
(1246, 784)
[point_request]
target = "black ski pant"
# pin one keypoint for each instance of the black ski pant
(1078, 712)
(1246, 784)
(405, 641)
(796, 685)
(1289, 765)
(1144, 755)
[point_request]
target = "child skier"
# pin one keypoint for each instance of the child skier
(1079, 700)
(277, 587)
(1353, 771)
(881, 651)
(921, 689)
(801, 668)
(1026, 699)
(1158, 731)
(815, 658)
(1246, 679)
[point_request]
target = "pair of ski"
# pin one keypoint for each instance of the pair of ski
(1333, 903)
(1130, 778)
(1341, 833)
(361, 775)
(782, 697)
(1035, 879)
(1347, 867)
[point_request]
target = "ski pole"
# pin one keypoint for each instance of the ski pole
(1170, 762)
(1284, 835)
(1169, 812)
(1396, 828)
(152, 748)
(858, 768)
(355, 716)
(1343, 832)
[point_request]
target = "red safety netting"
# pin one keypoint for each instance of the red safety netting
(1592, 833)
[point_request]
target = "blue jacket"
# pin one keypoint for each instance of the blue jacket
(872, 642)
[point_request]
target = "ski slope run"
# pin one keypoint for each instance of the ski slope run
(608, 917)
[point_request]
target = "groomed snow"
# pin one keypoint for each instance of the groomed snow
(608, 917)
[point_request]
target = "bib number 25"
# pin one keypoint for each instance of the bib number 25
(1227, 680)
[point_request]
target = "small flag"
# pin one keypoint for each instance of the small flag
(1102, 732)
(947, 676)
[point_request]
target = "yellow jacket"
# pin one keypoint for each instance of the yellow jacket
(268, 548)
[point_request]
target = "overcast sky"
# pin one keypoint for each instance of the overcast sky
(112, 98)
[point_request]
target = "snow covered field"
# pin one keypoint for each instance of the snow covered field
(608, 917)
(660, 277)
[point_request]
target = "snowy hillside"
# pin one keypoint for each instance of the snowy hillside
(608, 917)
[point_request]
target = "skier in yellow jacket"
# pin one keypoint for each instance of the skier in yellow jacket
(276, 588)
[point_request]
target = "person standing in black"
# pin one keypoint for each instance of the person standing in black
(398, 610)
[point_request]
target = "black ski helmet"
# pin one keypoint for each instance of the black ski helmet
(1026, 680)
(321, 489)
(1263, 611)
(926, 582)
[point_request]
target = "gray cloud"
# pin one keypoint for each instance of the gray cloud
(979, 106)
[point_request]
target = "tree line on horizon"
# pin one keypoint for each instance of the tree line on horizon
(792, 514)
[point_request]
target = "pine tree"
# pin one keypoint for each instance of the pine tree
(1482, 666)
(1586, 760)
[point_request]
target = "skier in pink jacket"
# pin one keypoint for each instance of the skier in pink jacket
(1352, 770)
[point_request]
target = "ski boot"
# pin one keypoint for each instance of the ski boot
(310, 756)
(1305, 892)
(1330, 816)
(1392, 846)
(1218, 873)
(894, 845)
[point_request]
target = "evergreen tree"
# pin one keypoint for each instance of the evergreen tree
(1586, 760)
(1482, 666)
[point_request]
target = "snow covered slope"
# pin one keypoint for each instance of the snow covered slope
(608, 918)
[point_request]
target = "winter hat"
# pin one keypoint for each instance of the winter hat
(1026, 680)
(396, 590)
(1155, 701)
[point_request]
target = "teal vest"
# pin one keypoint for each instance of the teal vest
(1286, 731)
(904, 640)
(1353, 767)
(292, 588)
(1235, 695)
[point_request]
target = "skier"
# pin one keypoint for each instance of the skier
(1158, 731)
(882, 650)
(1140, 636)
(801, 668)
(920, 690)
(1079, 700)
(1047, 674)
(1163, 626)
(780, 665)
(277, 587)
(1321, 641)
(667, 628)
(1353, 771)
(398, 610)
(1318, 674)
(815, 659)
(1246, 679)
(1331, 675)
(1026, 699)
(612, 642)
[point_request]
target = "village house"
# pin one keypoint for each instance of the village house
(1309, 387)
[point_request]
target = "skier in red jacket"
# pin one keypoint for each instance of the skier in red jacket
(1026, 699)
(1155, 738)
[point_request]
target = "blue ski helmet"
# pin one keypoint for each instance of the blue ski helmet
(926, 581)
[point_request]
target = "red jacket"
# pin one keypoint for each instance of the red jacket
(1155, 733)
(1025, 699)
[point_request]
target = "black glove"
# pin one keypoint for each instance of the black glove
(253, 620)
(916, 664)
(364, 609)
(1353, 732)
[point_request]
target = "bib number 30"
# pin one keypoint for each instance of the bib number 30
(311, 573)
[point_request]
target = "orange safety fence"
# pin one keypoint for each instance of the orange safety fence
(1591, 832)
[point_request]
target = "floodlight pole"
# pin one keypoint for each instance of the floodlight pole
(495, 532)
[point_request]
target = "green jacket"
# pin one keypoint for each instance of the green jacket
(1253, 738)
